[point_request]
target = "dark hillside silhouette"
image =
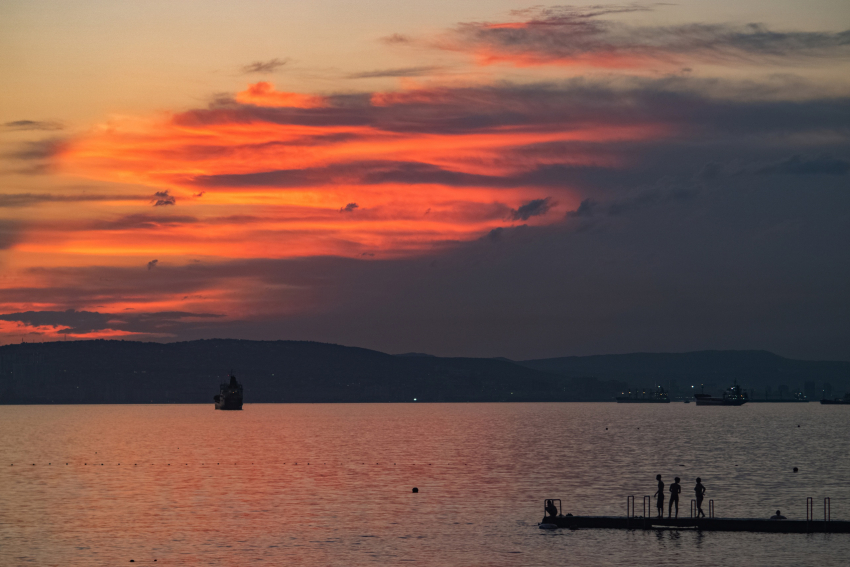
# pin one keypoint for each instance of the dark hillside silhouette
(107, 371)
(753, 369)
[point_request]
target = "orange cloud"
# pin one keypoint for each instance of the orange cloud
(282, 174)
(263, 94)
(427, 167)
(11, 332)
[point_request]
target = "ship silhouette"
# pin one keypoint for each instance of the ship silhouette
(229, 396)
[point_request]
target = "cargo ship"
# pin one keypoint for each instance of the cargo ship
(658, 396)
(229, 396)
(734, 396)
(837, 401)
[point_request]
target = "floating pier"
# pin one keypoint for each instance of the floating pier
(709, 523)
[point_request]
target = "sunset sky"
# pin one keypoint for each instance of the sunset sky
(459, 178)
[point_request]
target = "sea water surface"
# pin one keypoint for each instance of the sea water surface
(330, 484)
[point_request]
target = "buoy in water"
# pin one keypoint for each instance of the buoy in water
(415, 490)
(796, 469)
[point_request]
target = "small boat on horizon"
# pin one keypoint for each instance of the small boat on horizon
(733, 396)
(229, 396)
(837, 401)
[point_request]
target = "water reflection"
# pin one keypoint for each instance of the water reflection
(198, 486)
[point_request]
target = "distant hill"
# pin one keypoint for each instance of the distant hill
(756, 370)
(109, 371)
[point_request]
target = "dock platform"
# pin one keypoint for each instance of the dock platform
(554, 518)
(705, 524)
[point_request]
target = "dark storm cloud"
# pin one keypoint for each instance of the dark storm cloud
(797, 165)
(533, 208)
(562, 106)
(585, 209)
(568, 34)
(403, 72)
(32, 125)
(84, 322)
(495, 235)
(761, 263)
(541, 107)
(269, 66)
(162, 198)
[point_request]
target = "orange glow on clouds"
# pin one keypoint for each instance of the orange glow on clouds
(276, 175)
(40, 333)
(263, 94)
(289, 180)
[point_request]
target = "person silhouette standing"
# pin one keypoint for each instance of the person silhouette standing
(659, 496)
(675, 489)
(700, 491)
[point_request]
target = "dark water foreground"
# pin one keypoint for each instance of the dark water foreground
(187, 485)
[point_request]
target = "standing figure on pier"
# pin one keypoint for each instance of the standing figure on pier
(675, 489)
(700, 490)
(659, 496)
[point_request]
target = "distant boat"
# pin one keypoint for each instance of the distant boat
(229, 396)
(837, 401)
(659, 396)
(733, 396)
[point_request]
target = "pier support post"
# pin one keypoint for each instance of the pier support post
(827, 509)
(810, 513)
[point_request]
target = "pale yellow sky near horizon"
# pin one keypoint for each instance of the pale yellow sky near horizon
(79, 62)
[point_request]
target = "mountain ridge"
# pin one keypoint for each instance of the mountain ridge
(121, 371)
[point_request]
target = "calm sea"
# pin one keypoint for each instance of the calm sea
(330, 484)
